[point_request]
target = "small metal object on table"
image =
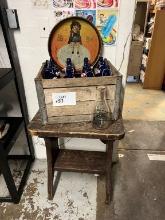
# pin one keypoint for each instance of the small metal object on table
(78, 160)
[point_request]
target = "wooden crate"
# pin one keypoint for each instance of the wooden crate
(86, 90)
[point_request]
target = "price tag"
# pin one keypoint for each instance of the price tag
(64, 98)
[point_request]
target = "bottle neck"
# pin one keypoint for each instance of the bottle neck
(101, 93)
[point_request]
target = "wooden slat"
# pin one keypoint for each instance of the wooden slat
(81, 108)
(80, 161)
(90, 81)
(69, 119)
(81, 82)
(41, 101)
(82, 93)
(115, 130)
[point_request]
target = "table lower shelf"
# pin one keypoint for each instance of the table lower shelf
(81, 161)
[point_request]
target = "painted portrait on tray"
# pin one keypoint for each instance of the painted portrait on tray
(74, 38)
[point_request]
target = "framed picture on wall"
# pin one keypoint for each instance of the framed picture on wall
(107, 24)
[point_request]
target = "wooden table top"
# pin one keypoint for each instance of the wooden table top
(79, 129)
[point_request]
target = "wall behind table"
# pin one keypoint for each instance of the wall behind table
(32, 51)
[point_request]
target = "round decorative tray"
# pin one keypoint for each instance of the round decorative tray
(74, 38)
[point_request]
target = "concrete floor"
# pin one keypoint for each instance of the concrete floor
(143, 104)
(75, 197)
(139, 191)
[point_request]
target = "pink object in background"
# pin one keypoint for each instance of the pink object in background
(116, 3)
(107, 3)
(85, 4)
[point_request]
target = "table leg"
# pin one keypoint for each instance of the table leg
(52, 151)
(109, 153)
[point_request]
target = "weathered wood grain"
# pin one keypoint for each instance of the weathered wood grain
(52, 151)
(81, 161)
(81, 108)
(86, 93)
(115, 131)
(82, 93)
(70, 119)
(79, 82)
(41, 101)
(109, 153)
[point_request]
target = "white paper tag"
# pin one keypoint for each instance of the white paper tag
(156, 157)
(64, 98)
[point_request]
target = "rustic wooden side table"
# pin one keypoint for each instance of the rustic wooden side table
(77, 160)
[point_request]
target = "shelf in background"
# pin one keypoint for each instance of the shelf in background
(6, 75)
(154, 73)
(153, 11)
(142, 0)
